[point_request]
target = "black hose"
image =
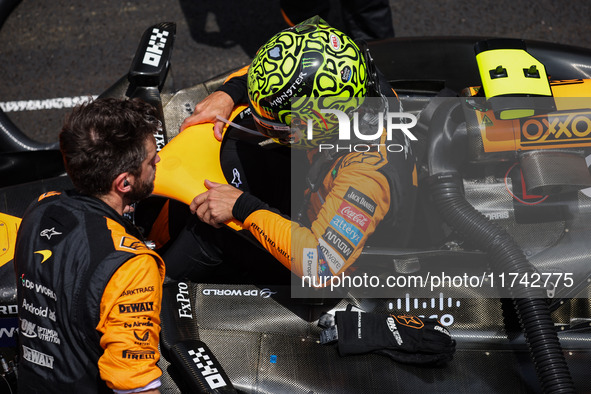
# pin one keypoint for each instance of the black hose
(532, 310)
(14, 140)
(11, 138)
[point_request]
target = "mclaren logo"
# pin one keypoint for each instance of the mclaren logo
(48, 194)
(45, 253)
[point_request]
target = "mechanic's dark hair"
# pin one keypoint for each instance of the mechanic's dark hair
(103, 138)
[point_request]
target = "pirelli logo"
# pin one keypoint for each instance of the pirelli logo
(563, 129)
(139, 354)
(136, 307)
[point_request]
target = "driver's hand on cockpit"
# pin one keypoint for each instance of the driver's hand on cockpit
(217, 103)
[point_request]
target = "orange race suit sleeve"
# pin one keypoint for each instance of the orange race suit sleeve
(130, 324)
(343, 212)
(235, 86)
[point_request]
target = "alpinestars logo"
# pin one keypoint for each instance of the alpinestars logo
(409, 321)
(236, 178)
(49, 232)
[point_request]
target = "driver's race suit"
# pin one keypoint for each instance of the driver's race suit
(360, 195)
(89, 294)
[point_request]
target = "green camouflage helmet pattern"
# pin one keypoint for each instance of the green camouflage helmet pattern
(309, 60)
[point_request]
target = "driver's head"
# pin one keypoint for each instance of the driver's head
(308, 60)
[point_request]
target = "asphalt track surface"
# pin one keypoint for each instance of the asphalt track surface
(63, 49)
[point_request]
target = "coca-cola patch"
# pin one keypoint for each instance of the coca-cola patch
(354, 216)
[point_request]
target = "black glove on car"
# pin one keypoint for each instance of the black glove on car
(404, 338)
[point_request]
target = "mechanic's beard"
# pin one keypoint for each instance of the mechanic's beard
(140, 190)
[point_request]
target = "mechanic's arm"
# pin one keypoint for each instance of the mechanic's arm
(221, 102)
(130, 324)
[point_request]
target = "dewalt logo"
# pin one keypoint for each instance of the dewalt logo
(137, 307)
(557, 129)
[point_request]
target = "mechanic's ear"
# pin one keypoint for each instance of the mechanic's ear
(123, 182)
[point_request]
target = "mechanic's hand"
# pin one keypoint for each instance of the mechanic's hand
(214, 206)
(217, 103)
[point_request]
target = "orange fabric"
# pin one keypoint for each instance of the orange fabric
(130, 316)
(286, 19)
(130, 324)
(291, 243)
(159, 233)
(238, 73)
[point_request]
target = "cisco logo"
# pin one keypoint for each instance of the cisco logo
(408, 304)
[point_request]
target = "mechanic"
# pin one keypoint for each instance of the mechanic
(349, 194)
(89, 290)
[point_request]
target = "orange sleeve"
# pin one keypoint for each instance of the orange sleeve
(340, 225)
(237, 73)
(130, 324)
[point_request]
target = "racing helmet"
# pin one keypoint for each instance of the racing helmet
(300, 70)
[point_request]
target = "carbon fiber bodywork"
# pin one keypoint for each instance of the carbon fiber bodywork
(268, 342)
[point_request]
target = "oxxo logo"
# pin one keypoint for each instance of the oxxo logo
(155, 45)
(206, 366)
(556, 129)
(406, 122)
